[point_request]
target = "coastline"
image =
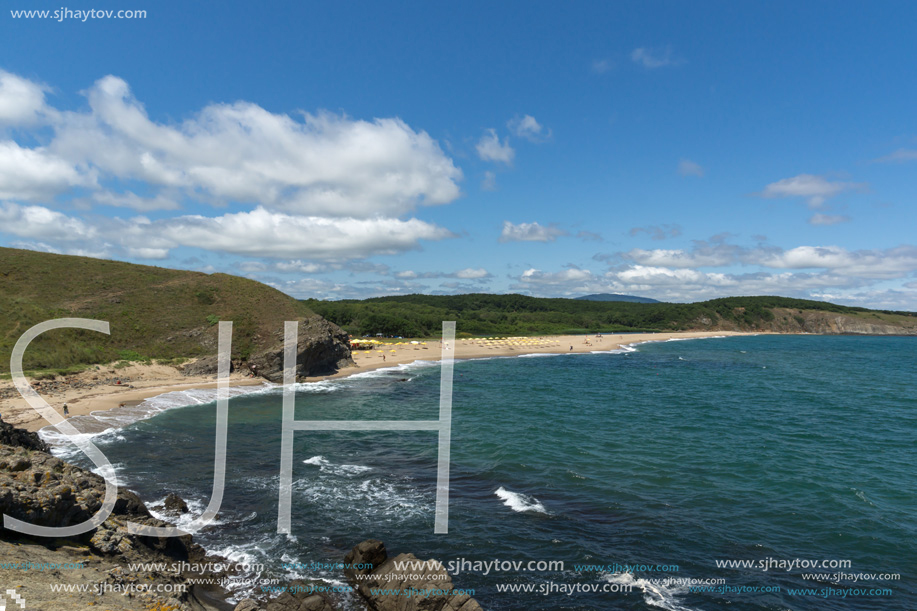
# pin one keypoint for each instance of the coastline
(142, 382)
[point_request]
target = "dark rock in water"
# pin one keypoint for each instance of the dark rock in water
(20, 438)
(430, 582)
(323, 348)
(175, 504)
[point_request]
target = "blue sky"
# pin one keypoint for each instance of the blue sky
(681, 151)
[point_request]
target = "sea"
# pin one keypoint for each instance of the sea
(741, 473)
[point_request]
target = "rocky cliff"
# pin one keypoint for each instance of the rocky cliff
(323, 349)
(787, 320)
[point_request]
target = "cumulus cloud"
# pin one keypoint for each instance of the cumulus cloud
(33, 174)
(324, 164)
(38, 222)
(272, 234)
(686, 167)
(530, 232)
(490, 148)
(527, 127)
(569, 280)
(888, 263)
(815, 189)
(22, 102)
(320, 185)
(654, 58)
(259, 232)
(707, 256)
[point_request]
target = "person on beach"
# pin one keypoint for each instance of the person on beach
(66, 411)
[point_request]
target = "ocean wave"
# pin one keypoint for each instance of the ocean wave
(183, 521)
(386, 372)
(654, 594)
(103, 424)
(520, 502)
(523, 356)
(326, 466)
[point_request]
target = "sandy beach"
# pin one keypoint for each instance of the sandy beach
(106, 387)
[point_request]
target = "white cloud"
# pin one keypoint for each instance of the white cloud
(654, 58)
(828, 219)
(463, 274)
(22, 102)
(570, 280)
(527, 127)
(472, 273)
(889, 263)
(259, 232)
(271, 234)
(530, 232)
(325, 164)
(716, 256)
(38, 222)
(815, 189)
(686, 167)
(490, 148)
(35, 173)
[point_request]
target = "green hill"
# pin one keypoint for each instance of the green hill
(483, 314)
(153, 312)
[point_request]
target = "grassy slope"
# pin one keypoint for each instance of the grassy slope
(155, 312)
(482, 314)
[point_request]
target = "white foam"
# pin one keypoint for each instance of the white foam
(523, 356)
(101, 423)
(520, 502)
(183, 521)
(654, 594)
(327, 467)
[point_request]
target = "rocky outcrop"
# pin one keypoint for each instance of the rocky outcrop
(323, 349)
(426, 589)
(41, 489)
(204, 366)
(12, 436)
(821, 322)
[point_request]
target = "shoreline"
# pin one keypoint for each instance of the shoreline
(143, 382)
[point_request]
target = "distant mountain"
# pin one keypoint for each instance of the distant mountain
(617, 297)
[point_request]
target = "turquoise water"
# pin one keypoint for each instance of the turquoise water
(679, 453)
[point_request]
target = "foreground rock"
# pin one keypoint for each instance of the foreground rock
(426, 589)
(323, 349)
(11, 436)
(41, 489)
